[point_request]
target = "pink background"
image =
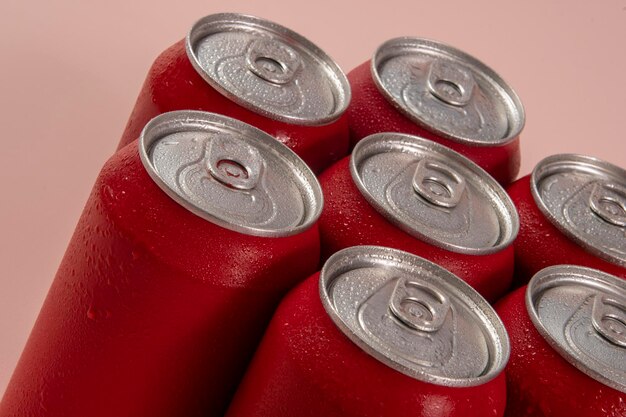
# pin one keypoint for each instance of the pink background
(71, 71)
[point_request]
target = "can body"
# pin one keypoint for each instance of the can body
(370, 112)
(349, 219)
(542, 383)
(540, 243)
(173, 83)
(154, 310)
(305, 366)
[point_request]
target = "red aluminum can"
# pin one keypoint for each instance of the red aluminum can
(255, 71)
(415, 195)
(573, 211)
(568, 344)
(188, 241)
(379, 333)
(429, 89)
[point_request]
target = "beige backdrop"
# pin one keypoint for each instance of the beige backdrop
(70, 72)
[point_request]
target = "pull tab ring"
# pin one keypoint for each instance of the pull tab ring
(450, 83)
(608, 201)
(418, 305)
(438, 183)
(608, 317)
(273, 61)
(234, 164)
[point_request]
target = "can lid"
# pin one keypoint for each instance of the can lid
(414, 316)
(230, 173)
(447, 91)
(434, 193)
(581, 312)
(268, 69)
(585, 198)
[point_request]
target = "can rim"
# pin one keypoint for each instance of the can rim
(216, 22)
(516, 107)
(356, 257)
(182, 120)
(372, 143)
(554, 276)
(558, 162)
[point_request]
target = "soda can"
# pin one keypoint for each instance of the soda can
(379, 332)
(573, 211)
(429, 89)
(568, 344)
(188, 241)
(255, 71)
(416, 195)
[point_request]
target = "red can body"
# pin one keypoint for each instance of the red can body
(154, 311)
(370, 112)
(174, 84)
(540, 382)
(305, 366)
(540, 244)
(349, 220)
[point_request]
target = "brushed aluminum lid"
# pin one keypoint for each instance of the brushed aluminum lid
(414, 316)
(268, 69)
(447, 91)
(230, 173)
(581, 312)
(434, 193)
(585, 198)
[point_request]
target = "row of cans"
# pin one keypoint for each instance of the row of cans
(194, 233)
(276, 80)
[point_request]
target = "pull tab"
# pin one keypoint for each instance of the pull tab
(273, 61)
(234, 164)
(608, 201)
(438, 183)
(419, 306)
(450, 83)
(608, 316)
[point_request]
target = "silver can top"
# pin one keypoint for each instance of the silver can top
(434, 193)
(414, 316)
(268, 69)
(447, 91)
(581, 312)
(230, 173)
(585, 198)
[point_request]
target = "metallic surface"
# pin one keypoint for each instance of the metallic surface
(434, 193)
(414, 316)
(585, 198)
(268, 68)
(447, 91)
(581, 312)
(230, 173)
(50, 72)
